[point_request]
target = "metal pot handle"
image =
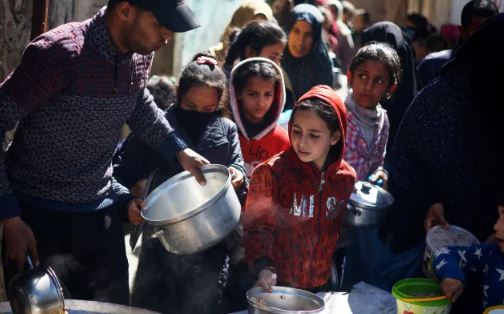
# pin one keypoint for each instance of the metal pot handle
(158, 234)
(354, 210)
(28, 262)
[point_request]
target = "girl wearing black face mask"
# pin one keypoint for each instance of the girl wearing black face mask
(166, 282)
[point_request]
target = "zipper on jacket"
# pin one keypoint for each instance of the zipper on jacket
(320, 187)
(322, 182)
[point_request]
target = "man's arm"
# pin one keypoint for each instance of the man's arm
(41, 75)
(44, 69)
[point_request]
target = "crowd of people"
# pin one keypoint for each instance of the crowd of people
(421, 113)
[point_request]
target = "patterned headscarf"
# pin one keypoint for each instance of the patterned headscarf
(316, 67)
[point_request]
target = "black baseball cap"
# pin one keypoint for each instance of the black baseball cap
(172, 14)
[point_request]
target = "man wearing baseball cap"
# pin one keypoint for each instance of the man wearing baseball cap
(74, 89)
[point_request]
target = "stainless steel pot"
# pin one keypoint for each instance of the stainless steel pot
(36, 291)
(283, 300)
(189, 217)
(367, 205)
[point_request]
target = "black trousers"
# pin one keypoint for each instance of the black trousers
(86, 251)
(180, 284)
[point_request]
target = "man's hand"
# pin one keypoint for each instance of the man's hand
(435, 216)
(452, 287)
(266, 280)
(19, 241)
(134, 208)
(236, 177)
(192, 162)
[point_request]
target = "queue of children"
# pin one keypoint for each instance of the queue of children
(294, 183)
(300, 178)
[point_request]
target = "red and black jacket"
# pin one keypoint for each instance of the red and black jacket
(294, 211)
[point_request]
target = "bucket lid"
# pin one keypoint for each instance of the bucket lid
(439, 237)
(367, 195)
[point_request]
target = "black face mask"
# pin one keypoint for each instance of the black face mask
(193, 122)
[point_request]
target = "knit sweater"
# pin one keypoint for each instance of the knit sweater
(71, 94)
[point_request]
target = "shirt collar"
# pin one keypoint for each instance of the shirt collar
(103, 39)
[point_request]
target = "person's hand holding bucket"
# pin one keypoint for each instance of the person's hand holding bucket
(452, 288)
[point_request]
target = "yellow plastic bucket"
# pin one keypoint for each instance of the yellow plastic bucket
(420, 296)
(499, 309)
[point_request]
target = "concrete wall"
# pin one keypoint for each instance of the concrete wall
(384, 10)
(15, 29)
(213, 15)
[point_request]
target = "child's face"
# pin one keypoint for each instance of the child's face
(300, 39)
(359, 23)
(200, 98)
(311, 138)
(499, 229)
(370, 82)
(256, 98)
(273, 52)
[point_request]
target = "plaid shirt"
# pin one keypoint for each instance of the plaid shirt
(363, 158)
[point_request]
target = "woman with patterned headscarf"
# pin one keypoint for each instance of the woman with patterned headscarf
(305, 59)
(248, 10)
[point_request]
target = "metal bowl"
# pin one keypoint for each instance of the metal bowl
(36, 291)
(283, 300)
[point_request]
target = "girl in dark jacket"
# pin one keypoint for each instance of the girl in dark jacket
(166, 282)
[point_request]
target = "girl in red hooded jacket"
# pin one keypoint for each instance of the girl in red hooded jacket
(297, 199)
(256, 98)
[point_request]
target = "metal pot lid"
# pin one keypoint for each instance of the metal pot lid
(285, 300)
(367, 195)
(182, 197)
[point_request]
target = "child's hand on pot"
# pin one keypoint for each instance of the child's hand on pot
(435, 216)
(266, 279)
(452, 288)
(236, 177)
(134, 208)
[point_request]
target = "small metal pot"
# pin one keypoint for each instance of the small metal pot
(36, 291)
(367, 205)
(283, 300)
(191, 218)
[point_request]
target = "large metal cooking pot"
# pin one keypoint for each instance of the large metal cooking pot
(283, 300)
(36, 291)
(367, 205)
(190, 217)
(89, 307)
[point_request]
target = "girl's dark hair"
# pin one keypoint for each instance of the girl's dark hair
(322, 109)
(262, 69)
(477, 8)
(383, 53)
(164, 90)
(204, 71)
(256, 35)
